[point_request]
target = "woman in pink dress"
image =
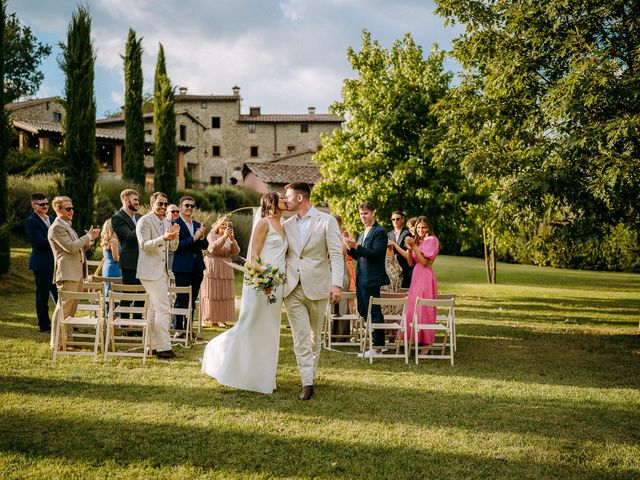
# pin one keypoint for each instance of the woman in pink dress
(422, 252)
(217, 294)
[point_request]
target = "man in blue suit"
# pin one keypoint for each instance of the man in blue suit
(370, 251)
(188, 264)
(41, 259)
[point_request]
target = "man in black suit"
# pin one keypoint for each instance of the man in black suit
(41, 259)
(188, 264)
(370, 251)
(124, 224)
(397, 237)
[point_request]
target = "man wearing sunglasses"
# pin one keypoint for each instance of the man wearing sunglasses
(156, 237)
(188, 264)
(68, 252)
(397, 236)
(41, 259)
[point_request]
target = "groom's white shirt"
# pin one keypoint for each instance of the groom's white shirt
(309, 251)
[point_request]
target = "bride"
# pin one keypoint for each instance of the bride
(246, 356)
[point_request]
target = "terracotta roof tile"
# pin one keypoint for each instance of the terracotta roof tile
(204, 98)
(31, 103)
(36, 127)
(283, 174)
(283, 118)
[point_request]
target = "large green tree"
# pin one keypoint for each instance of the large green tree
(548, 113)
(164, 119)
(384, 152)
(133, 162)
(5, 243)
(22, 58)
(81, 171)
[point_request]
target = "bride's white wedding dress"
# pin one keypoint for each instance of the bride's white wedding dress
(246, 356)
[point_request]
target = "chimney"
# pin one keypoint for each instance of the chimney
(182, 90)
(254, 111)
(236, 91)
(312, 110)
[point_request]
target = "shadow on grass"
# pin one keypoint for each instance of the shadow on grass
(584, 311)
(386, 403)
(215, 450)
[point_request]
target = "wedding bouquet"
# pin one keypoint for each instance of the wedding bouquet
(263, 278)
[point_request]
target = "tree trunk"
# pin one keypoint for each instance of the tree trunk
(489, 254)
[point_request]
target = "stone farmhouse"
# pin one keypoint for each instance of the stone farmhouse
(217, 143)
(225, 141)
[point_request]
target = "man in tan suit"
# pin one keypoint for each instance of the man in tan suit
(156, 238)
(68, 253)
(314, 240)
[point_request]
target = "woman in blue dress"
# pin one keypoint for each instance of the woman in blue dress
(110, 252)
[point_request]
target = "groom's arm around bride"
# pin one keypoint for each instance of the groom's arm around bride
(314, 241)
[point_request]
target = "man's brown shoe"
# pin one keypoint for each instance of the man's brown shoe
(306, 393)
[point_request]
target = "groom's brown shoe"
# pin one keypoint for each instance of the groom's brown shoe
(306, 393)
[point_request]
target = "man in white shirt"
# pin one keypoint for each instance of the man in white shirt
(314, 240)
(156, 237)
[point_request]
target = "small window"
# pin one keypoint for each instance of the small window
(57, 117)
(252, 128)
(291, 149)
(254, 151)
(203, 105)
(304, 128)
(215, 122)
(215, 151)
(183, 133)
(216, 180)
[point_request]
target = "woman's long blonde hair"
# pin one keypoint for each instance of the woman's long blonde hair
(219, 223)
(107, 234)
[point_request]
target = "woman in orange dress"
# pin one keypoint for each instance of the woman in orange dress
(217, 294)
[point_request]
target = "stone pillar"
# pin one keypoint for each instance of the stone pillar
(43, 144)
(22, 141)
(180, 168)
(117, 161)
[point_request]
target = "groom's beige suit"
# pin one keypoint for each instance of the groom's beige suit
(153, 272)
(310, 277)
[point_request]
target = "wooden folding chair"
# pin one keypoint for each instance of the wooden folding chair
(392, 322)
(90, 267)
(186, 312)
(91, 303)
(116, 343)
(443, 325)
(355, 335)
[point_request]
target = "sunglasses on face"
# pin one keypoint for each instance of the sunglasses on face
(396, 219)
(69, 209)
(162, 204)
(43, 204)
(173, 212)
(189, 205)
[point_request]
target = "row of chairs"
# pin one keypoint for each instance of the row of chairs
(122, 329)
(397, 342)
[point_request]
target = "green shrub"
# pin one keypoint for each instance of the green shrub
(107, 194)
(242, 223)
(20, 190)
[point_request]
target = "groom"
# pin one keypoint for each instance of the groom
(314, 239)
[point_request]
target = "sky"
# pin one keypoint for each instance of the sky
(285, 55)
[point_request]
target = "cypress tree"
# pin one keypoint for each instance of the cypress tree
(77, 63)
(133, 161)
(5, 224)
(164, 119)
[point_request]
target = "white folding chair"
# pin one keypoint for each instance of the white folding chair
(117, 344)
(186, 312)
(392, 322)
(91, 303)
(442, 296)
(443, 325)
(90, 267)
(395, 314)
(354, 336)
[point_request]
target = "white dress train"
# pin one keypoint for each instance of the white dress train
(246, 356)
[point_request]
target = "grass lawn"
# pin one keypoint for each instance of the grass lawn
(546, 385)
